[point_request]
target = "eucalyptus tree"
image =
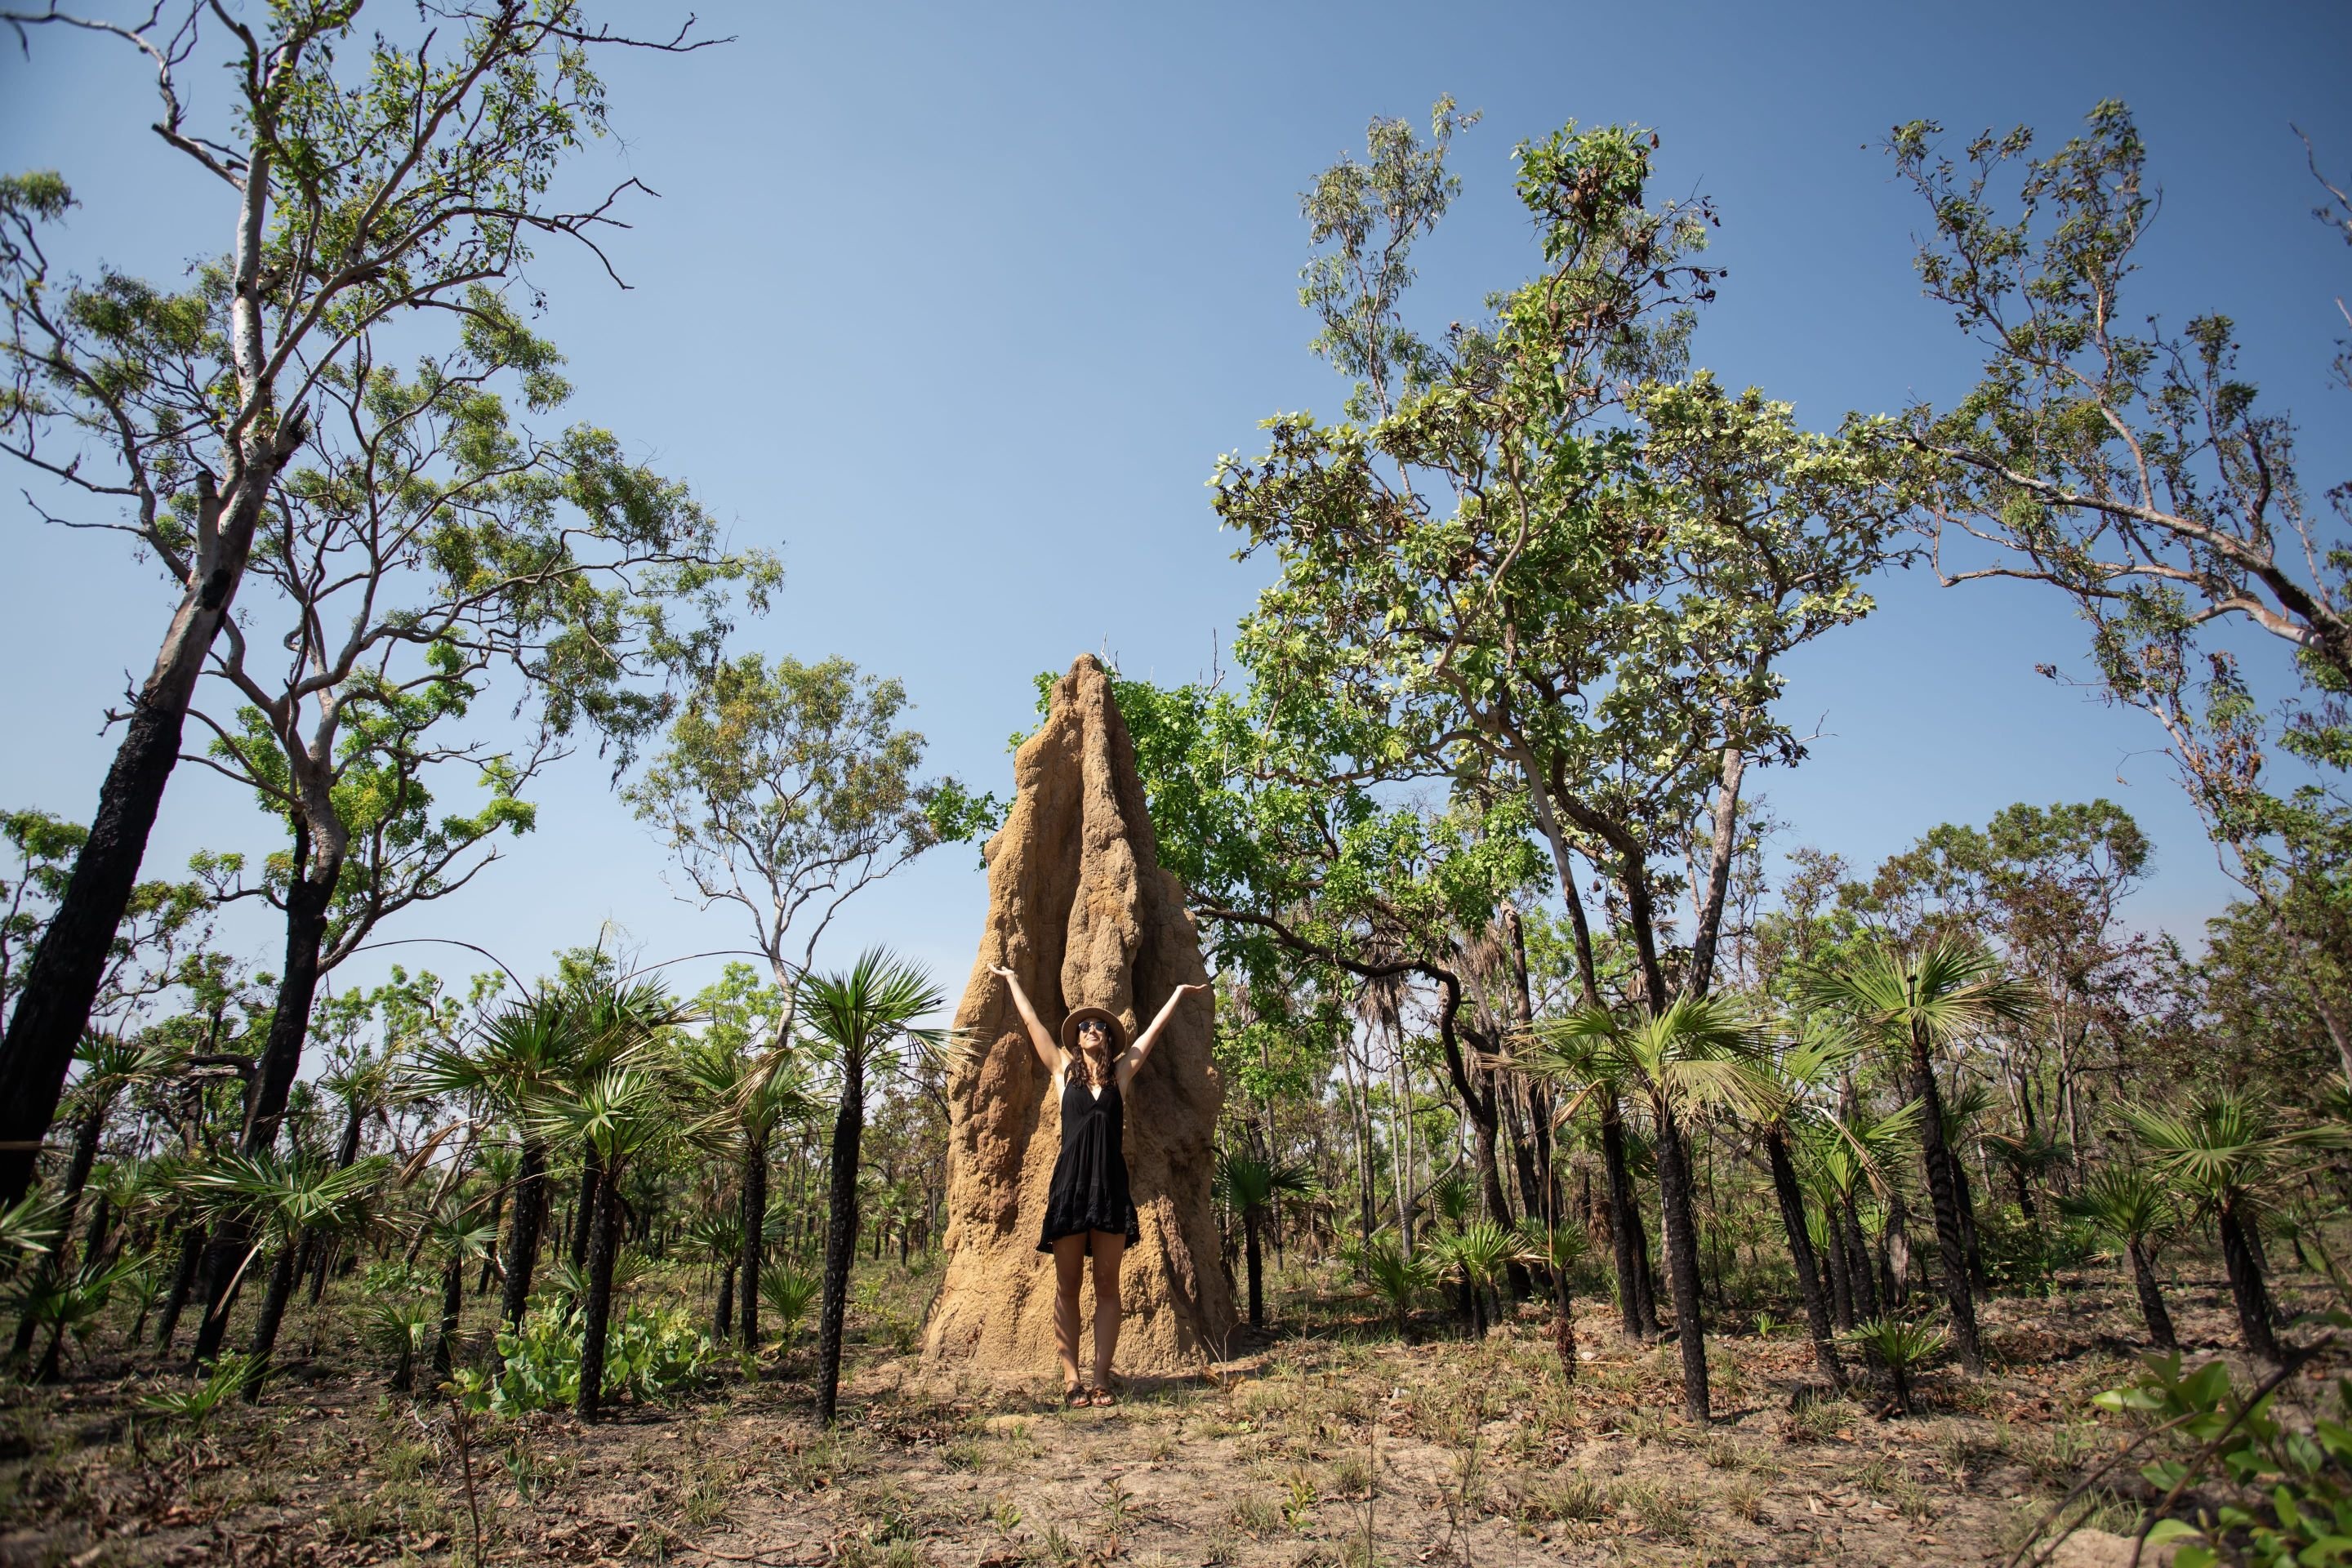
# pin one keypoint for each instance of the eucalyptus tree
(1697, 1053)
(1919, 1006)
(2138, 472)
(1540, 546)
(1535, 544)
(784, 790)
(361, 193)
(428, 544)
(862, 1020)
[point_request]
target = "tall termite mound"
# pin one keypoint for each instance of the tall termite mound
(1080, 909)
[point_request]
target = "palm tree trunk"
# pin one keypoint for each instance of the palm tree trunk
(1250, 1256)
(1624, 1223)
(603, 1244)
(2246, 1288)
(225, 1260)
(583, 1216)
(1800, 1254)
(1857, 1258)
(722, 1317)
(1682, 1262)
(1951, 1246)
(453, 1307)
(273, 1314)
(840, 1233)
(752, 1249)
(523, 1237)
(1964, 1191)
(184, 1280)
(2151, 1300)
(1840, 1287)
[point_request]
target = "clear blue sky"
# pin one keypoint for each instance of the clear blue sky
(956, 306)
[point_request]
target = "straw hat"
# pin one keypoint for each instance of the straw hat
(1109, 1020)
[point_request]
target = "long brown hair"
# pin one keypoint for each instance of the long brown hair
(1086, 1062)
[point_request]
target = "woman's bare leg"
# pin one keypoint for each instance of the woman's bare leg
(1110, 1248)
(1069, 1269)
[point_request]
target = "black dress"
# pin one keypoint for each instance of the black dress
(1089, 1191)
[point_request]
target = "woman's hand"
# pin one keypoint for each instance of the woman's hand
(1180, 990)
(999, 969)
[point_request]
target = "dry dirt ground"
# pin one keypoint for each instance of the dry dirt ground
(1334, 1443)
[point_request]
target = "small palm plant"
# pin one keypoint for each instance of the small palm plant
(1396, 1278)
(399, 1324)
(749, 1095)
(64, 1304)
(463, 1237)
(1478, 1255)
(2127, 1206)
(1902, 1347)
(1558, 1249)
(717, 1239)
(788, 1294)
(1249, 1185)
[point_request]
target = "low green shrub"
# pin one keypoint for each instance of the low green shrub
(646, 1353)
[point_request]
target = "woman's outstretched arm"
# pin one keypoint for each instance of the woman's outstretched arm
(1131, 1062)
(1049, 1049)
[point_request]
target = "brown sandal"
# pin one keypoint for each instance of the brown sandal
(1102, 1395)
(1075, 1397)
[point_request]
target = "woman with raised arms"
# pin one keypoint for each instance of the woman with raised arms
(1088, 1211)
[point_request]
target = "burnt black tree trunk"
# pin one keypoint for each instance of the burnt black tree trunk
(489, 1254)
(69, 963)
(1633, 1303)
(2244, 1267)
(753, 1248)
(584, 1211)
(1800, 1254)
(453, 1307)
(1682, 1262)
(308, 899)
(522, 1237)
(1250, 1256)
(840, 1232)
(722, 1317)
(1857, 1258)
(1943, 1191)
(183, 1282)
(601, 1246)
(273, 1314)
(2151, 1300)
